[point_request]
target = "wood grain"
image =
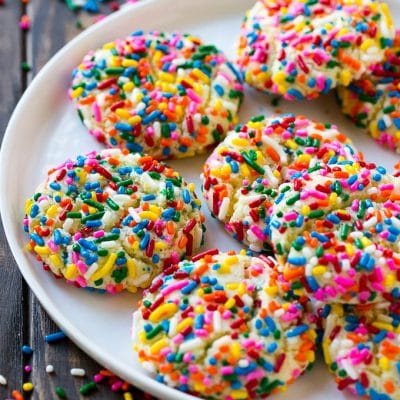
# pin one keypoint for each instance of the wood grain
(53, 25)
(12, 296)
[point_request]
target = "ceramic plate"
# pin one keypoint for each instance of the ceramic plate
(44, 131)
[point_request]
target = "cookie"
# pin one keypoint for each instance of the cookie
(336, 232)
(362, 349)
(373, 102)
(301, 49)
(167, 95)
(112, 220)
(242, 176)
(215, 327)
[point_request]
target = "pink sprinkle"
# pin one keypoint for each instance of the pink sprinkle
(98, 378)
(321, 82)
(81, 266)
(187, 358)
(96, 112)
(116, 386)
(193, 96)
(227, 370)
(201, 333)
(81, 281)
(77, 236)
(173, 288)
(179, 338)
(98, 234)
(52, 246)
(291, 216)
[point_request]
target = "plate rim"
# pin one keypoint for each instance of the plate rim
(140, 379)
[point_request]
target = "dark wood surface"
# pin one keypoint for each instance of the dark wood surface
(22, 319)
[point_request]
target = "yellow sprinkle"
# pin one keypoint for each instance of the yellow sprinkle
(28, 205)
(349, 249)
(345, 77)
(271, 290)
(199, 387)
(319, 270)
(299, 26)
(157, 346)
(384, 363)
(230, 260)
(239, 394)
(383, 325)
(365, 242)
(325, 349)
(52, 211)
(304, 158)
(292, 144)
(232, 286)
(224, 269)
(199, 309)
(218, 105)
(42, 250)
(277, 174)
(164, 311)
(240, 142)
(131, 265)
(138, 96)
(279, 77)
(184, 324)
(167, 77)
(235, 350)
(136, 119)
(191, 186)
(122, 113)
(333, 198)
(126, 62)
(160, 245)
(29, 247)
(105, 269)
(373, 127)
(77, 92)
(305, 210)
(135, 245)
(108, 46)
(200, 75)
(128, 396)
(226, 170)
(148, 215)
(310, 355)
(27, 387)
(132, 289)
(241, 289)
(230, 303)
(386, 13)
(337, 309)
(56, 260)
(128, 86)
(71, 272)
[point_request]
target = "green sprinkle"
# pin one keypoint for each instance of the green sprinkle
(25, 66)
(293, 199)
(114, 71)
(60, 392)
(388, 109)
(252, 163)
(165, 131)
(258, 118)
(94, 204)
(344, 231)
(102, 252)
(74, 215)
(154, 332)
(316, 214)
(87, 388)
(216, 135)
(126, 182)
(112, 204)
(92, 217)
(107, 238)
(205, 120)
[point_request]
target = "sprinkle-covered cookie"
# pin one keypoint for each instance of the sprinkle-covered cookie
(301, 49)
(242, 176)
(167, 95)
(113, 220)
(373, 102)
(336, 231)
(362, 349)
(215, 327)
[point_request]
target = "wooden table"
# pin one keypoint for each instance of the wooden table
(22, 319)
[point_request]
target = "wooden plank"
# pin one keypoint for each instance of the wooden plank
(53, 25)
(12, 296)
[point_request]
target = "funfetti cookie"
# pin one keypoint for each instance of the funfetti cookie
(113, 220)
(216, 327)
(335, 232)
(302, 49)
(373, 102)
(362, 349)
(242, 176)
(167, 95)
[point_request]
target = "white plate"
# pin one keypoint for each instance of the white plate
(44, 131)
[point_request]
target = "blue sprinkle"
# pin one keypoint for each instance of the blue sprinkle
(295, 93)
(27, 349)
(54, 337)
(219, 89)
(121, 126)
(300, 260)
(271, 348)
(379, 336)
(312, 282)
(149, 197)
(189, 287)
(270, 323)
(55, 186)
(298, 330)
(36, 238)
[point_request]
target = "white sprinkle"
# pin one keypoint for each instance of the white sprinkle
(3, 380)
(223, 210)
(78, 372)
(49, 369)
